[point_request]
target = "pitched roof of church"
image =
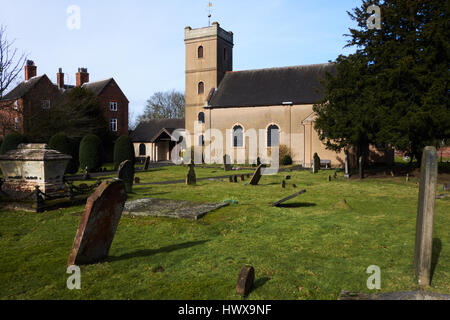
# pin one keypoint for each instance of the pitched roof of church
(146, 131)
(273, 86)
(22, 88)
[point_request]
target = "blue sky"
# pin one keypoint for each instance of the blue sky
(140, 43)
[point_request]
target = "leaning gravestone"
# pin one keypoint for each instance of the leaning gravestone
(292, 196)
(256, 176)
(126, 174)
(425, 216)
(191, 178)
(98, 224)
(226, 163)
(347, 173)
(245, 280)
(146, 163)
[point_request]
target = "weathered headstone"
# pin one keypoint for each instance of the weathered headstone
(235, 178)
(425, 216)
(98, 223)
(361, 167)
(245, 280)
(316, 163)
(226, 162)
(126, 174)
(242, 177)
(191, 178)
(329, 178)
(347, 173)
(256, 176)
(283, 184)
(258, 161)
(231, 178)
(146, 163)
(446, 186)
(294, 186)
(137, 180)
(292, 196)
(86, 175)
(287, 177)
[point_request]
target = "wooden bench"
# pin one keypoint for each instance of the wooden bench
(326, 163)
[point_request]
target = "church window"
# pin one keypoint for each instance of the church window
(273, 136)
(200, 52)
(201, 88)
(238, 136)
(201, 117)
(142, 150)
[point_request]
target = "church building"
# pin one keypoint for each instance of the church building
(271, 105)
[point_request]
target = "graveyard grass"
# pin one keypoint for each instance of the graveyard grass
(312, 248)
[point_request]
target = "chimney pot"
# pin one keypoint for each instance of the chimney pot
(30, 70)
(60, 79)
(82, 76)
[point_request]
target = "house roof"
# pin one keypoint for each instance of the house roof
(23, 88)
(149, 130)
(273, 86)
(97, 86)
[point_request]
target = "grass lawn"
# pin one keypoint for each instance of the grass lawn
(311, 249)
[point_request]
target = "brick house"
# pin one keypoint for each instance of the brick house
(38, 94)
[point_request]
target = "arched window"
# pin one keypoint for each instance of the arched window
(273, 136)
(200, 52)
(201, 117)
(201, 88)
(238, 136)
(201, 140)
(142, 150)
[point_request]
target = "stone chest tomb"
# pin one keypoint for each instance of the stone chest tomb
(32, 165)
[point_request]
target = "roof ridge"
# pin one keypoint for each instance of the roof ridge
(283, 68)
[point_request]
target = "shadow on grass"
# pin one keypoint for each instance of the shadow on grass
(260, 282)
(297, 205)
(150, 252)
(435, 253)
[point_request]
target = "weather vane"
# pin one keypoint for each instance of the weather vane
(209, 13)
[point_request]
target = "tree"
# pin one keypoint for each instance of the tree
(77, 114)
(62, 143)
(410, 60)
(91, 152)
(11, 64)
(11, 141)
(164, 105)
(123, 150)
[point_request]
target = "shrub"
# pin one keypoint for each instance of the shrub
(62, 143)
(123, 150)
(11, 142)
(286, 160)
(91, 152)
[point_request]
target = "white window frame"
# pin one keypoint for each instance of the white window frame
(113, 105)
(113, 124)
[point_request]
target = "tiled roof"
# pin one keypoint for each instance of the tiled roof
(147, 130)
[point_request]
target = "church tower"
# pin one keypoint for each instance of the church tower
(209, 54)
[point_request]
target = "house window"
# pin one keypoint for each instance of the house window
(201, 88)
(273, 136)
(113, 124)
(238, 136)
(200, 52)
(16, 123)
(201, 140)
(201, 117)
(113, 106)
(142, 150)
(45, 104)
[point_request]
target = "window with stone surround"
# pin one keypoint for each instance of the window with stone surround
(201, 88)
(238, 136)
(113, 124)
(113, 106)
(200, 52)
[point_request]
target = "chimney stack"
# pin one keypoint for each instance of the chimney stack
(30, 70)
(60, 79)
(82, 76)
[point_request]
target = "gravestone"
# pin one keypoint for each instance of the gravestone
(146, 163)
(425, 216)
(316, 163)
(292, 196)
(361, 167)
(98, 223)
(248, 175)
(226, 163)
(287, 177)
(191, 178)
(258, 161)
(294, 186)
(126, 174)
(407, 177)
(283, 184)
(235, 178)
(86, 175)
(446, 186)
(242, 177)
(245, 280)
(137, 180)
(256, 176)
(347, 173)
(329, 178)
(231, 178)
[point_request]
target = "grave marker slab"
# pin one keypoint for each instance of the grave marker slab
(98, 223)
(191, 178)
(292, 196)
(245, 280)
(226, 163)
(146, 163)
(256, 176)
(425, 216)
(126, 174)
